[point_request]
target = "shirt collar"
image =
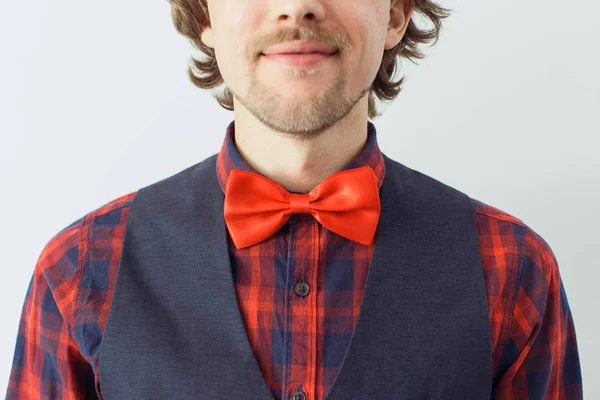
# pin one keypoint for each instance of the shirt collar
(229, 157)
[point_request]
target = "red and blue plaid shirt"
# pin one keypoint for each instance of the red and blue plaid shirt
(298, 344)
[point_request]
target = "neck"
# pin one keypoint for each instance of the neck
(299, 163)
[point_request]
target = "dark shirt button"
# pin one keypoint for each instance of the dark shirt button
(298, 395)
(302, 288)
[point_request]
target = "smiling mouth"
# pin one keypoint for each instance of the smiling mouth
(300, 60)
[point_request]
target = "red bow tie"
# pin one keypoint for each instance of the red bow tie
(346, 202)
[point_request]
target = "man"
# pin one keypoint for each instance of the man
(299, 262)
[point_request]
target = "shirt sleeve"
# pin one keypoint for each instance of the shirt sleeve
(540, 359)
(47, 362)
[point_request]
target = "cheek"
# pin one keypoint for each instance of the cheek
(236, 69)
(376, 47)
(226, 68)
(226, 56)
(369, 48)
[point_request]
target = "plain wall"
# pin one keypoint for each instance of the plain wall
(95, 103)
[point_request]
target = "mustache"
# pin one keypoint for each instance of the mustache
(331, 39)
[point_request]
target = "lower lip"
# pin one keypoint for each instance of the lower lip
(299, 60)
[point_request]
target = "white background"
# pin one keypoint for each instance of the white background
(95, 103)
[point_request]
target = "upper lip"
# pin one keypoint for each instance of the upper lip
(300, 46)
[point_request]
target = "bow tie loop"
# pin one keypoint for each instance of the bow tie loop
(299, 203)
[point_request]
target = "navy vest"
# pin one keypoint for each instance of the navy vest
(175, 331)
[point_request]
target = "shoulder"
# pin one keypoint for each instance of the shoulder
(501, 231)
(76, 236)
(67, 257)
(510, 244)
(108, 212)
(517, 264)
(77, 267)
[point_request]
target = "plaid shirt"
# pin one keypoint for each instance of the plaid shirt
(297, 343)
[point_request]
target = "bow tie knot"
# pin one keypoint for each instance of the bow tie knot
(347, 203)
(300, 203)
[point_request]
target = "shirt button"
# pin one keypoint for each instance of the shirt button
(298, 395)
(302, 288)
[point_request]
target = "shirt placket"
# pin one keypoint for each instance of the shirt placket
(302, 310)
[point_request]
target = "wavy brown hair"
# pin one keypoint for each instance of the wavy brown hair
(189, 16)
